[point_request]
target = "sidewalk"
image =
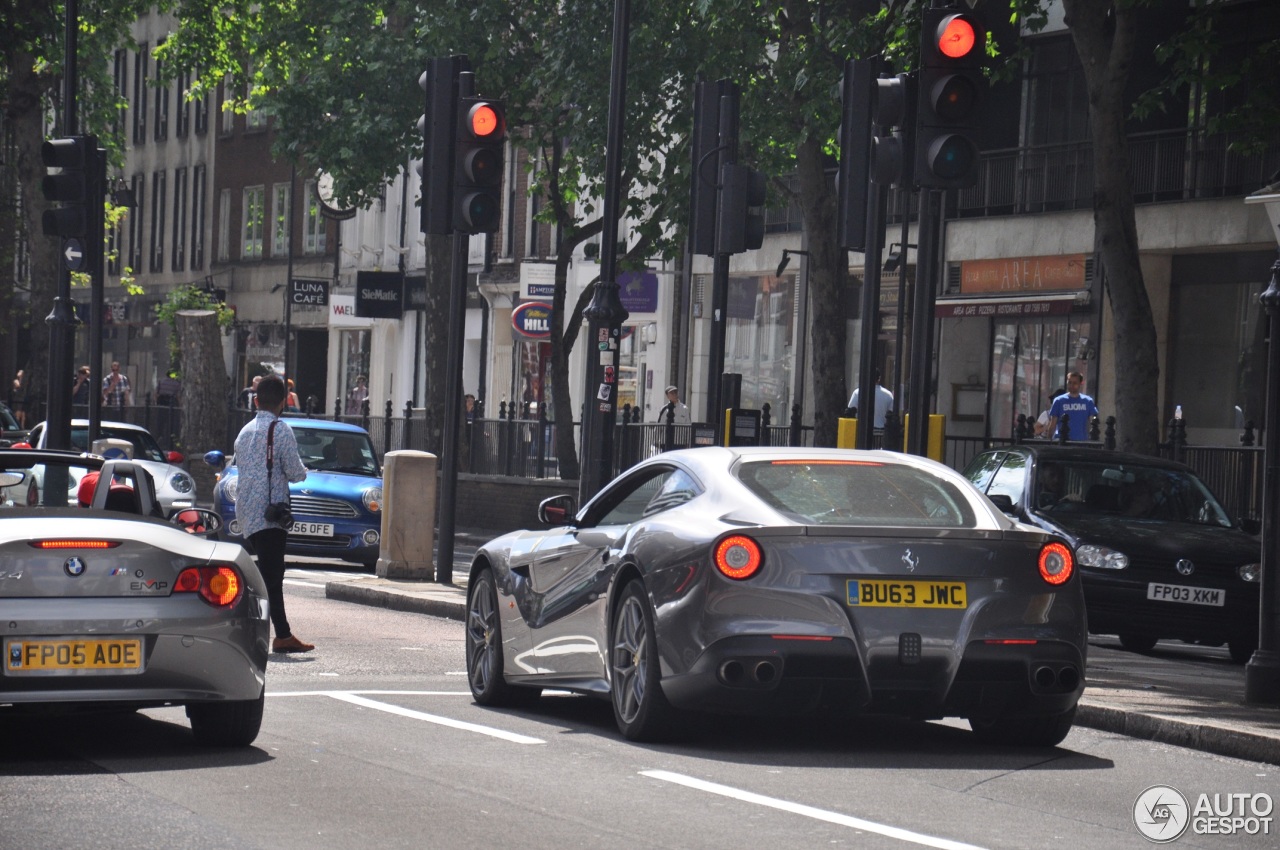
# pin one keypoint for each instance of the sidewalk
(1189, 696)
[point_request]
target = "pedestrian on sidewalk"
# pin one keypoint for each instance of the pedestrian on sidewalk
(116, 391)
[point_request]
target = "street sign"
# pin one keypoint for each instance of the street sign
(73, 254)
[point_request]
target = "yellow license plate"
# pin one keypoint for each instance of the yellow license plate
(883, 593)
(62, 655)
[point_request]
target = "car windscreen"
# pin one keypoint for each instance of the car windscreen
(144, 445)
(1129, 490)
(336, 451)
(871, 493)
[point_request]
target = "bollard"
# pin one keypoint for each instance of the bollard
(409, 493)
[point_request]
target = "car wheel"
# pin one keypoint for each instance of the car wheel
(1137, 642)
(1242, 649)
(234, 723)
(484, 648)
(639, 705)
(1042, 731)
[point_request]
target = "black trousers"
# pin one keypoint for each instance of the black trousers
(268, 546)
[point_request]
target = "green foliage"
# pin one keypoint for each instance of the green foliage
(189, 298)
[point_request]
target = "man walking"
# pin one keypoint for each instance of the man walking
(1078, 408)
(883, 403)
(674, 404)
(267, 454)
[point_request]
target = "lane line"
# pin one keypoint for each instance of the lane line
(379, 693)
(809, 811)
(300, 583)
(435, 718)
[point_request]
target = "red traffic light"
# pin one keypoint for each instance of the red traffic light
(485, 121)
(956, 37)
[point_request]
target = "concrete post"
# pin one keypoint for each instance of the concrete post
(408, 515)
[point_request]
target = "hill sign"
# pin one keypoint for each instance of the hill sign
(532, 320)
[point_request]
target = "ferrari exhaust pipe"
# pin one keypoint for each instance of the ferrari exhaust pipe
(765, 672)
(732, 672)
(1044, 677)
(1068, 678)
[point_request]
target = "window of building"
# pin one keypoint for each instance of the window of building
(224, 226)
(134, 259)
(200, 108)
(228, 114)
(313, 237)
(162, 101)
(253, 223)
(120, 73)
(353, 357)
(179, 258)
(141, 70)
(280, 202)
(182, 122)
(197, 217)
(157, 220)
(1057, 102)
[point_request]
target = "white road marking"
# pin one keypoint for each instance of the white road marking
(378, 693)
(808, 811)
(295, 581)
(435, 718)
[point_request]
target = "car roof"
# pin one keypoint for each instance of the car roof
(323, 424)
(1076, 454)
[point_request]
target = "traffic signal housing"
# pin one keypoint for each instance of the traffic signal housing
(72, 179)
(440, 84)
(479, 157)
(740, 218)
(952, 49)
(894, 138)
(857, 93)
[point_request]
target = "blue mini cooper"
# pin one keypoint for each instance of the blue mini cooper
(337, 508)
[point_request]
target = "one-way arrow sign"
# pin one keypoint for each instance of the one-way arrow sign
(73, 254)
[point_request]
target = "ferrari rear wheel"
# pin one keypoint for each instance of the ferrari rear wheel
(640, 708)
(227, 724)
(1043, 731)
(484, 648)
(1137, 642)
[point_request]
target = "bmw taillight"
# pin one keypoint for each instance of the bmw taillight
(738, 557)
(219, 584)
(1056, 563)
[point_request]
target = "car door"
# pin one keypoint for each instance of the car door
(571, 573)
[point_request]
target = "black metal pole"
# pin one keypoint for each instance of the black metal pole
(605, 313)
(288, 283)
(97, 302)
(720, 267)
(921, 380)
(877, 199)
(61, 319)
(453, 386)
(1262, 673)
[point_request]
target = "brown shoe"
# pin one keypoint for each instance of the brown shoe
(291, 644)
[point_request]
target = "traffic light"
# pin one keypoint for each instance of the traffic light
(891, 152)
(740, 217)
(857, 91)
(74, 182)
(952, 47)
(478, 152)
(440, 83)
(705, 145)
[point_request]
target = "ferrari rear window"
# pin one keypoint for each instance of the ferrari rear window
(889, 494)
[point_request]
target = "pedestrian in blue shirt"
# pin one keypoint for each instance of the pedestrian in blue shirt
(257, 489)
(1078, 408)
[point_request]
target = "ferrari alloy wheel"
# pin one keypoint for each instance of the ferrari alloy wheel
(227, 724)
(484, 647)
(1043, 731)
(639, 705)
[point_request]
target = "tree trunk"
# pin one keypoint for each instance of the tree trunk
(1103, 32)
(204, 393)
(828, 325)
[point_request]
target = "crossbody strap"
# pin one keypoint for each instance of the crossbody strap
(271, 433)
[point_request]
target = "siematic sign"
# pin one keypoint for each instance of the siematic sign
(379, 295)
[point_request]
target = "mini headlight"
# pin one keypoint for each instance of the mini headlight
(230, 488)
(1249, 572)
(181, 482)
(372, 499)
(1101, 558)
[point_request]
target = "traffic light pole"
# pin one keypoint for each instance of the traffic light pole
(877, 199)
(921, 381)
(720, 266)
(605, 313)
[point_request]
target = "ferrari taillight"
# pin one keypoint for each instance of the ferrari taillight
(738, 557)
(219, 585)
(1056, 563)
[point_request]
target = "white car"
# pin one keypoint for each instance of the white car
(175, 488)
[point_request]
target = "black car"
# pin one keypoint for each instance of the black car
(1158, 555)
